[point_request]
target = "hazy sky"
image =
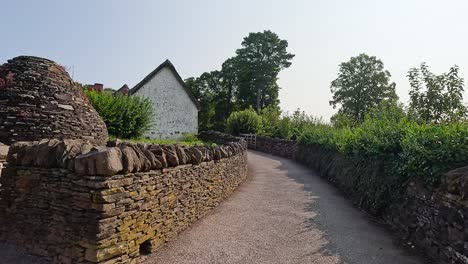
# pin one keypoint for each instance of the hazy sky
(116, 42)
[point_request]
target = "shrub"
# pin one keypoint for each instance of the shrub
(270, 117)
(342, 120)
(246, 121)
(286, 126)
(125, 116)
(318, 135)
(387, 151)
(430, 150)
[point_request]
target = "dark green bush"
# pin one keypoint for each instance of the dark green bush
(126, 117)
(243, 122)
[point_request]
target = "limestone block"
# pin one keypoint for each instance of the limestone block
(104, 161)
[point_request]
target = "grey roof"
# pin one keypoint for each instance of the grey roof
(125, 86)
(168, 64)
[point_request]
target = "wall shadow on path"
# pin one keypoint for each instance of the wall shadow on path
(349, 232)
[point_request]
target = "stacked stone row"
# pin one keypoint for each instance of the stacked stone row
(218, 137)
(149, 208)
(118, 157)
(280, 147)
(73, 202)
(435, 220)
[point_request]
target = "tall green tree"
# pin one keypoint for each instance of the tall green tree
(262, 56)
(215, 91)
(362, 83)
(202, 90)
(436, 98)
(245, 80)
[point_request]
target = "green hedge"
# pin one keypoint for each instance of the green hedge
(126, 117)
(430, 150)
(387, 154)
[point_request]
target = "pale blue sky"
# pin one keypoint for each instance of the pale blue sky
(117, 42)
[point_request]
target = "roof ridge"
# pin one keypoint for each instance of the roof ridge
(166, 63)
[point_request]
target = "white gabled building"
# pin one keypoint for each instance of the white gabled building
(175, 108)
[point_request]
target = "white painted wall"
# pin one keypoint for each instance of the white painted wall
(175, 113)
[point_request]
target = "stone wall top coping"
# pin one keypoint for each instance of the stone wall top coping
(454, 186)
(83, 158)
(218, 137)
(131, 199)
(3, 151)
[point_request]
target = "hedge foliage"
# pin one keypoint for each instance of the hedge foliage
(126, 117)
(243, 122)
(285, 126)
(389, 152)
(388, 149)
(270, 122)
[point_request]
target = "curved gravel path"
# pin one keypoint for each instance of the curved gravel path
(284, 213)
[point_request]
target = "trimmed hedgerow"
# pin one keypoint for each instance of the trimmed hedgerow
(430, 150)
(388, 153)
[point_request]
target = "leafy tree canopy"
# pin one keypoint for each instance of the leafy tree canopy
(362, 84)
(216, 93)
(262, 56)
(245, 80)
(436, 98)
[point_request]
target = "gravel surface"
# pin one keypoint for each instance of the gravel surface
(283, 214)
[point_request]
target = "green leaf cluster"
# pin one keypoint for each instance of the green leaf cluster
(432, 149)
(436, 98)
(283, 125)
(248, 79)
(243, 122)
(388, 152)
(126, 117)
(362, 83)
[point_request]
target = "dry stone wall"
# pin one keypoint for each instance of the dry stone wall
(434, 220)
(78, 203)
(39, 100)
(3, 155)
(217, 137)
(278, 147)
